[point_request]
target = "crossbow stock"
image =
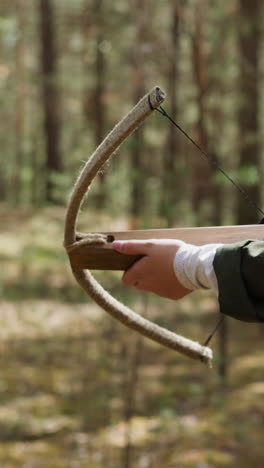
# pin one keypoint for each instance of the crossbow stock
(94, 251)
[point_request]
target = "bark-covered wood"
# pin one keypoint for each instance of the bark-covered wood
(84, 277)
(94, 97)
(202, 187)
(249, 103)
(171, 192)
(103, 257)
(50, 95)
(20, 98)
(137, 147)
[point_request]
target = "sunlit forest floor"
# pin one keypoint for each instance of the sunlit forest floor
(78, 390)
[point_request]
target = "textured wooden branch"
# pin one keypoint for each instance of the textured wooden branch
(118, 310)
(101, 256)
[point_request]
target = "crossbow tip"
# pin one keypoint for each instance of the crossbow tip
(156, 97)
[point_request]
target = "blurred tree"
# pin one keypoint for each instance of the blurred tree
(138, 80)
(100, 78)
(131, 358)
(94, 100)
(202, 185)
(3, 175)
(249, 105)
(21, 15)
(169, 192)
(50, 96)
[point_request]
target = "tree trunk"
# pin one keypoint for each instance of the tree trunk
(137, 167)
(203, 191)
(171, 194)
(94, 104)
(100, 75)
(137, 176)
(223, 352)
(20, 99)
(50, 96)
(131, 371)
(249, 44)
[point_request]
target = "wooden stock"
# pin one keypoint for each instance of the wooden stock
(104, 257)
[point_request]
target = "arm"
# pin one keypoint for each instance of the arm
(154, 272)
(174, 269)
(170, 268)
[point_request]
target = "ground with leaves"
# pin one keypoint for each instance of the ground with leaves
(79, 390)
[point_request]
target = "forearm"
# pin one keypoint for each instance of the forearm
(235, 272)
(193, 266)
(173, 269)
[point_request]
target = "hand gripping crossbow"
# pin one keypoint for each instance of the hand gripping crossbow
(94, 251)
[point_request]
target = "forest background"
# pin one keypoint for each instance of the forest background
(76, 388)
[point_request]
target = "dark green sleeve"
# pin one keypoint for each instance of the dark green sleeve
(239, 270)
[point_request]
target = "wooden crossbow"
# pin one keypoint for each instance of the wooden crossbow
(94, 251)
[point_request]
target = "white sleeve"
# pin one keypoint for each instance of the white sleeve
(193, 266)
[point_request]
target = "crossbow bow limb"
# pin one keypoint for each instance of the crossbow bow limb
(94, 251)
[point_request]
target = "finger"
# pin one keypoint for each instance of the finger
(133, 247)
(133, 276)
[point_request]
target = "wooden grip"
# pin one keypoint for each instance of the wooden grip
(104, 257)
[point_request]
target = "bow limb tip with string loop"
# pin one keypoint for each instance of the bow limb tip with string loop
(78, 242)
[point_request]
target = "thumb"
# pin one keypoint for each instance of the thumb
(133, 247)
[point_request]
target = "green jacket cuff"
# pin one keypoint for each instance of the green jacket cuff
(236, 270)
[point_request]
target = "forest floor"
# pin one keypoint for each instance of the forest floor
(78, 390)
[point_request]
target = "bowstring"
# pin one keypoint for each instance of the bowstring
(212, 161)
(215, 164)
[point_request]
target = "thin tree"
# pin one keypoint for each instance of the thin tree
(249, 107)
(20, 98)
(50, 96)
(202, 187)
(169, 192)
(137, 141)
(94, 101)
(131, 375)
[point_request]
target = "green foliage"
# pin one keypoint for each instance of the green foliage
(60, 182)
(249, 175)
